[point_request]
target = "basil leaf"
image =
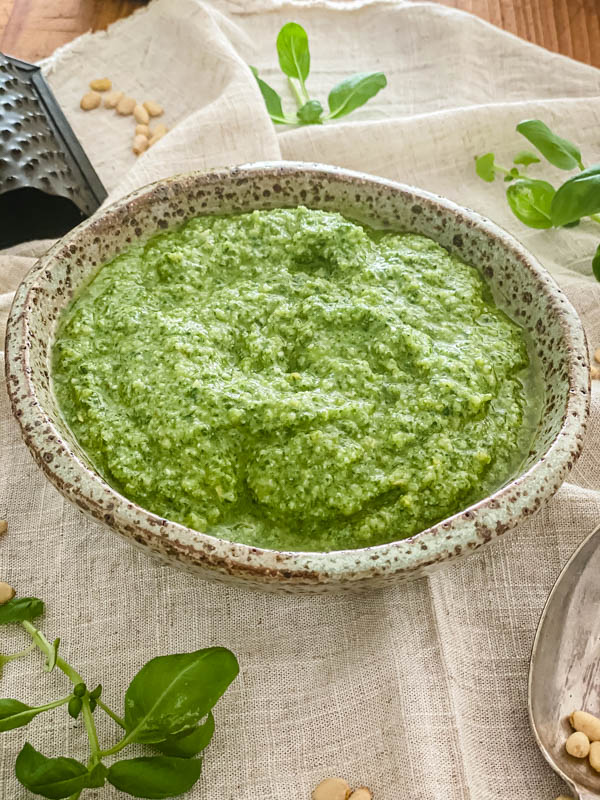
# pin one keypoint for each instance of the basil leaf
(578, 197)
(171, 694)
(526, 157)
(155, 776)
(97, 777)
(14, 714)
(310, 113)
(353, 92)
(190, 744)
(596, 264)
(530, 201)
(484, 167)
(271, 98)
(558, 151)
(293, 52)
(20, 609)
(50, 777)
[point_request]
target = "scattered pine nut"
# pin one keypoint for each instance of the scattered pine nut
(101, 84)
(578, 745)
(153, 108)
(160, 129)
(3, 526)
(144, 130)
(595, 756)
(595, 372)
(140, 143)
(586, 723)
(6, 593)
(597, 354)
(141, 115)
(362, 793)
(332, 789)
(158, 134)
(112, 99)
(125, 106)
(89, 101)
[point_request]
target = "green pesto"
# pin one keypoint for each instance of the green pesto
(294, 380)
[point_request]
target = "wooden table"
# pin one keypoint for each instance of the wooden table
(31, 29)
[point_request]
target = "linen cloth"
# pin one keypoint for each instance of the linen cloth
(417, 691)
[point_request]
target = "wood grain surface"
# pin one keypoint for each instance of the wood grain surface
(31, 29)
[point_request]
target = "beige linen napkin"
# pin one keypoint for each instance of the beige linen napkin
(417, 691)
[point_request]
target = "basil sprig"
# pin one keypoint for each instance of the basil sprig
(294, 59)
(535, 202)
(168, 705)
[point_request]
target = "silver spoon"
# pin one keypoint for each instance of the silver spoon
(564, 674)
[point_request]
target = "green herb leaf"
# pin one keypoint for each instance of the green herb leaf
(578, 197)
(74, 707)
(50, 777)
(20, 609)
(354, 92)
(97, 777)
(310, 113)
(79, 689)
(95, 693)
(484, 167)
(155, 777)
(14, 714)
(596, 264)
(530, 201)
(189, 744)
(52, 656)
(526, 157)
(171, 694)
(558, 151)
(293, 52)
(271, 98)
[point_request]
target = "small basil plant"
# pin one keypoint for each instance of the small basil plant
(294, 60)
(536, 202)
(168, 707)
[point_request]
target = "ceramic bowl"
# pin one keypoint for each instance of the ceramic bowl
(521, 286)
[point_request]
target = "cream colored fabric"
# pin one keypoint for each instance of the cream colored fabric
(419, 691)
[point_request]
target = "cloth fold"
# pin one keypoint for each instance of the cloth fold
(418, 690)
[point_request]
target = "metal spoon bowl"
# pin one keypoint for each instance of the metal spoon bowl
(564, 673)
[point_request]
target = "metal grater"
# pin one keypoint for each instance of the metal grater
(47, 184)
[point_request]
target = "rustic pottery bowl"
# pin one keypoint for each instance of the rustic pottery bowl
(519, 283)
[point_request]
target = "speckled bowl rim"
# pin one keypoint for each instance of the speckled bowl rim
(448, 539)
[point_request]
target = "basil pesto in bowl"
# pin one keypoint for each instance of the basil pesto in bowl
(297, 377)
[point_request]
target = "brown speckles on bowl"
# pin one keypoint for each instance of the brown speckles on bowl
(521, 286)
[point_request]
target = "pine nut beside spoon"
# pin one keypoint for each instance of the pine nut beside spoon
(332, 789)
(6, 593)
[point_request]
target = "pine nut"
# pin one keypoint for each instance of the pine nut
(6, 593)
(140, 143)
(112, 99)
(125, 106)
(332, 789)
(101, 84)
(89, 101)
(144, 130)
(578, 745)
(153, 108)
(141, 115)
(595, 756)
(586, 723)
